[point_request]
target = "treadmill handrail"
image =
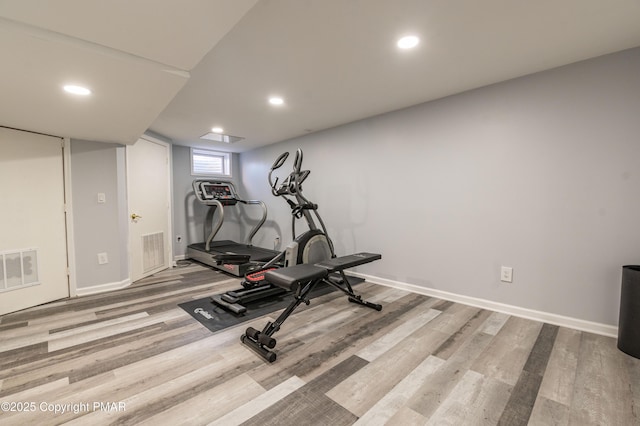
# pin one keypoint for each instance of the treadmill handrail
(215, 226)
(260, 222)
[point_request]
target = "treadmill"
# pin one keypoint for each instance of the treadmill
(226, 255)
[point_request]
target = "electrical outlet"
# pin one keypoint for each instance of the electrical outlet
(102, 258)
(506, 274)
(276, 242)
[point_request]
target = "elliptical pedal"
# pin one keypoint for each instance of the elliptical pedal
(256, 278)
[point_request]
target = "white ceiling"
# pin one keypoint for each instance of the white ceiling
(179, 68)
(135, 55)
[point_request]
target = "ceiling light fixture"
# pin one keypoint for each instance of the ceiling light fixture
(217, 129)
(276, 100)
(77, 90)
(408, 42)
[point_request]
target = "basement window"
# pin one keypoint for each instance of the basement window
(205, 162)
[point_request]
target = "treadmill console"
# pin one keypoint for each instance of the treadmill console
(224, 192)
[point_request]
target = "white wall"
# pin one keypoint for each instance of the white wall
(538, 173)
(98, 167)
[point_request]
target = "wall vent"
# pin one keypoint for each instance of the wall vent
(152, 251)
(18, 269)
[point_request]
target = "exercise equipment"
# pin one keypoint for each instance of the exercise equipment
(301, 280)
(226, 255)
(311, 246)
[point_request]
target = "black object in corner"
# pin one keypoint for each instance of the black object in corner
(629, 320)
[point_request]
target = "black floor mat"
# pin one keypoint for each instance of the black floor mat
(216, 318)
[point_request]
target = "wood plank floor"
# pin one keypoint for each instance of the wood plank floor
(134, 357)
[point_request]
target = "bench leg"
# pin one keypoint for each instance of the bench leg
(344, 286)
(261, 341)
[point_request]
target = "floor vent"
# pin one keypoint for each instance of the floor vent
(18, 268)
(153, 251)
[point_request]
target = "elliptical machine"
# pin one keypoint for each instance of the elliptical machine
(310, 247)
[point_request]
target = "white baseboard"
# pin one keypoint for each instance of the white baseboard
(577, 324)
(102, 288)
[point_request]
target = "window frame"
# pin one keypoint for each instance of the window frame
(226, 162)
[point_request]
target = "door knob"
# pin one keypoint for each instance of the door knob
(135, 216)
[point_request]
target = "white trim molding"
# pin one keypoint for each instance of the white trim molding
(68, 209)
(555, 319)
(103, 288)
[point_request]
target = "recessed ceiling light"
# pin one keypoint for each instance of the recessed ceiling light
(408, 42)
(276, 100)
(77, 90)
(217, 130)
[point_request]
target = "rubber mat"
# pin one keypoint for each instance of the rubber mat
(216, 318)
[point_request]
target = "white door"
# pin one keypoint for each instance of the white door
(33, 247)
(148, 188)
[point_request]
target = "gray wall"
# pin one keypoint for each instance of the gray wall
(189, 214)
(538, 173)
(99, 228)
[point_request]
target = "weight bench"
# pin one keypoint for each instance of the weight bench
(300, 280)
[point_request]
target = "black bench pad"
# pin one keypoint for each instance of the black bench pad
(349, 261)
(294, 277)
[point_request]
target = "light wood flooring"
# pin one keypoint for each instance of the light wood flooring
(421, 360)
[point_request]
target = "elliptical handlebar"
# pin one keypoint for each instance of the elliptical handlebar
(297, 162)
(291, 184)
(276, 165)
(280, 161)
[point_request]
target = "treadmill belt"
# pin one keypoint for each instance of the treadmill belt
(227, 246)
(255, 252)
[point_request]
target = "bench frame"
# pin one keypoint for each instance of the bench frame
(302, 279)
